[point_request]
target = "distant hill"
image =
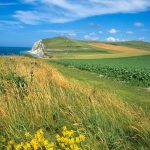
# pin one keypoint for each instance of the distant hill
(71, 44)
(133, 44)
(64, 43)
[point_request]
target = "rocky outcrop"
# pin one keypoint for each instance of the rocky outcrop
(37, 49)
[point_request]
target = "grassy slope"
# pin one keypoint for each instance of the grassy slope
(64, 44)
(62, 47)
(133, 44)
(123, 91)
(34, 95)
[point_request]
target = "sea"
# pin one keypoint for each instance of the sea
(13, 50)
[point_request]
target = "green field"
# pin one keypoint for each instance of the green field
(131, 69)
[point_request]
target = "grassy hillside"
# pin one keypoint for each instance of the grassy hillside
(133, 44)
(64, 43)
(34, 95)
(63, 47)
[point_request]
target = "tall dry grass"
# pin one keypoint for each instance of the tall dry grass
(35, 95)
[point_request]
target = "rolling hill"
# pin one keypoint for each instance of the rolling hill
(64, 43)
(63, 47)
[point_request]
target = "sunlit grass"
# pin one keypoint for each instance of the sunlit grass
(34, 95)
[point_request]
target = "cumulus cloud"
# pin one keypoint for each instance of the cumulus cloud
(138, 24)
(112, 39)
(60, 11)
(73, 34)
(113, 31)
(91, 36)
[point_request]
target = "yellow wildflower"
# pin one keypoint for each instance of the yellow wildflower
(82, 137)
(62, 145)
(18, 147)
(11, 142)
(27, 134)
(71, 142)
(45, 142)
(58, 138)
(64, 128)
(78, 140)
(27, 146)
(70, 133)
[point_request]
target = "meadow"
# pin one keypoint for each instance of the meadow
(37, 100)
(89, 96)
(131, 69)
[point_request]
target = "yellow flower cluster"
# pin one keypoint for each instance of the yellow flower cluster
(38, 141)
(69, 141)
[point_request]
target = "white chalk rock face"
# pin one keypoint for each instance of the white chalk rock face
(38, 49)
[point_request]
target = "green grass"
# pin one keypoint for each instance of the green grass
(34, 95)
(63, 43)
(62, 47)
(79, 51)
(133, 44)
(132, 94)
(133, 69)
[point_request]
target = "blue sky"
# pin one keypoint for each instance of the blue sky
(22, 22)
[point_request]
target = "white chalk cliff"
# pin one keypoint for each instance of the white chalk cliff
(37, 49)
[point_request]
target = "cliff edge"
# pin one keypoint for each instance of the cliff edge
(37, 49)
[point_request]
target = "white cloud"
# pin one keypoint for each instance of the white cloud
(73, 34)
(138, 24)
(29, 17)
(60, 11)
(91, 36)
(112, 39)
(129, 32)
(113, 31)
